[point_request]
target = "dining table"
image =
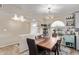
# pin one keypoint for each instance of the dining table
(47, 42)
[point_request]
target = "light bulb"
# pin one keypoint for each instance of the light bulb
(15, 17)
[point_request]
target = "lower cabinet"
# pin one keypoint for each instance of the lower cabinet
(70, 41)
(77, 43)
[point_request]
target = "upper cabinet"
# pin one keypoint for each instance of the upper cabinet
(70, 20)
(77, 20)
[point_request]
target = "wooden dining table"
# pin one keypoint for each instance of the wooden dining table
(47, 43)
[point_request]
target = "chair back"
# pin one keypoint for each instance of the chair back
(32, 46)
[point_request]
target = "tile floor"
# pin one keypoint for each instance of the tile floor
(13, 50)
(64, 51)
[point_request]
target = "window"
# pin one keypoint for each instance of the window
(58, 24)
(34, 28)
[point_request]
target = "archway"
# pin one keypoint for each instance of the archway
(58, 26)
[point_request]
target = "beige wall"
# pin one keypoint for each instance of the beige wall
(13, 26)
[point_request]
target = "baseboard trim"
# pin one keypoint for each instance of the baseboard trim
(24, 51)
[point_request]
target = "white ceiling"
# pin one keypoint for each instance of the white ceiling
(39, 9)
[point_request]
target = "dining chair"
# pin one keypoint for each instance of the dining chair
(55, 49)
(33, 49)
(59, 44)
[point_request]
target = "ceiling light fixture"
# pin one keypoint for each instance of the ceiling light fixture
(49, 15)
(16, 18)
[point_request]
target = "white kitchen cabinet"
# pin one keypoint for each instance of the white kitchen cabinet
(77, 42)
(77, 20)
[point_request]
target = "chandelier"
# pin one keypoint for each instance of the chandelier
(49, 14)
